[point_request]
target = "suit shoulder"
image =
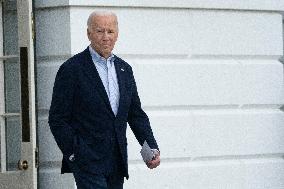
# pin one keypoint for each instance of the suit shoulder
(75, 60)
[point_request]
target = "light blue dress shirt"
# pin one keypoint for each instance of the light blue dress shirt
(107, 73)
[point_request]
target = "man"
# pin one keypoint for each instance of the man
(94, 96)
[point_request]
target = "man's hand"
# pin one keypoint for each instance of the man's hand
(155, 162)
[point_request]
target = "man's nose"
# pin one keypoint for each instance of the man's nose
(106, 35)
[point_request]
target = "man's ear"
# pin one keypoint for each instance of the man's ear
(88, 33)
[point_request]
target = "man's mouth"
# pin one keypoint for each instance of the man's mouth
(106, 45)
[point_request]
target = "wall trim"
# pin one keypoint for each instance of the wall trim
(252, 5)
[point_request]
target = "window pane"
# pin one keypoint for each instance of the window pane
(13, 142)
(12, 85)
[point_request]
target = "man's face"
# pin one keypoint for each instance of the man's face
(103, 34)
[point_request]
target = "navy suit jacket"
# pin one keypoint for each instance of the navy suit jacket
(81, 118)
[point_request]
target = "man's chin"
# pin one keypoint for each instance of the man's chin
(107, 51)
(105, 54)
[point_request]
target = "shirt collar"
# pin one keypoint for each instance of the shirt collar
(98, 58)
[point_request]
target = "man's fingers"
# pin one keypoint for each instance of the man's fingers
(154, 163)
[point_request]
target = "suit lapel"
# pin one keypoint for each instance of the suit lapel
(92, 73)
(121, 79)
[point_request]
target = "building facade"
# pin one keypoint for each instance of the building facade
(209, 75)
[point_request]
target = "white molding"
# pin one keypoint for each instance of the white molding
(6, 57)
(5, 115)
(272, 5)
(2, 102)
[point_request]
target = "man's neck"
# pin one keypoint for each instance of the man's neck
(106, 56)
(97, 56)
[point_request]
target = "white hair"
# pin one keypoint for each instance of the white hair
(100, 13)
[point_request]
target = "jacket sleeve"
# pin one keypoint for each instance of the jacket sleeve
(60, 112)
(138, 119)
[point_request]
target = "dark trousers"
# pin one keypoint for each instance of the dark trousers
(111, 178)
(85, 180)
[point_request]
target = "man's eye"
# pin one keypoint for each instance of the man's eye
(99, 31)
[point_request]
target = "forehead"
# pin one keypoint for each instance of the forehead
(104, 21)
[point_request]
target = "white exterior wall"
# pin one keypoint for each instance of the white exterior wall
(208, 75)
